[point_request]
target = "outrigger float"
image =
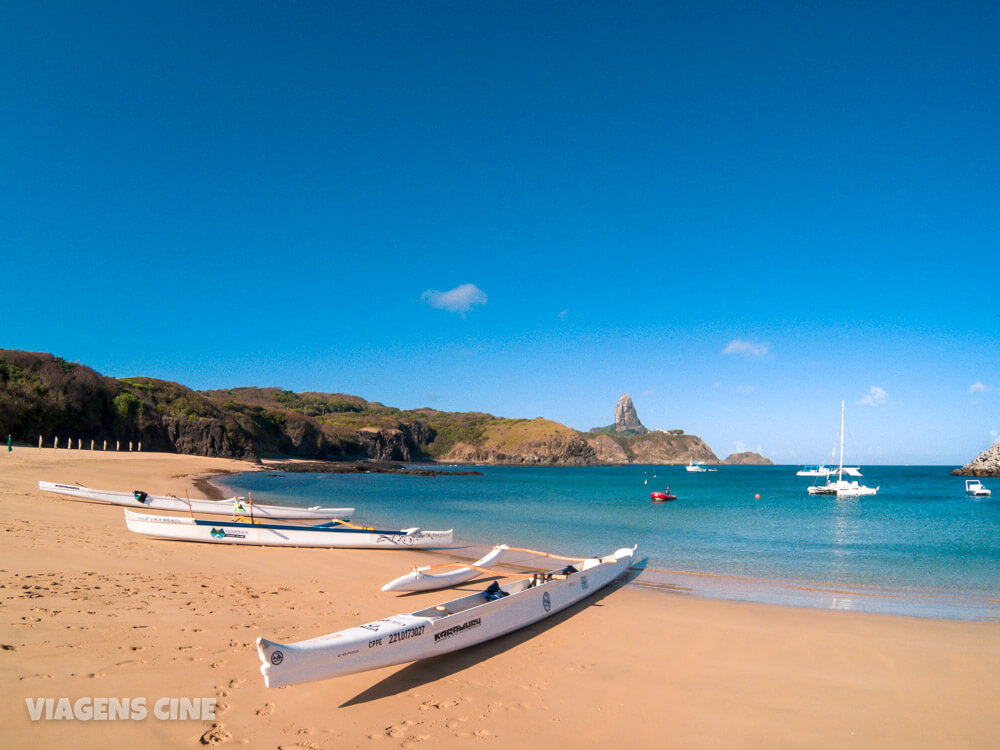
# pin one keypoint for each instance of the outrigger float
(335, 533)
(447, 627)
(228, 507)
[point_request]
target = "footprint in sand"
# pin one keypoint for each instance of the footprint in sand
(430, 705)
(414, 740)
(237, 682)
(266, 710)
(397, 730)
(216, 735)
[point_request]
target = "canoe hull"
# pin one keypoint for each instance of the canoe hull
(417, 635)
(198, 505)
(280, 535)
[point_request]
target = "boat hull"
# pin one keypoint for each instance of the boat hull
(843, 489)
(198, 505)
(453, 625)
(281, 535)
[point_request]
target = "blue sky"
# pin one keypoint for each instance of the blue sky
(739, 213)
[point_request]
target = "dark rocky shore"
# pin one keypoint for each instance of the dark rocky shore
(362, 467)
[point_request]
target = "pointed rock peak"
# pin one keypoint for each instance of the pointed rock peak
(626, 418)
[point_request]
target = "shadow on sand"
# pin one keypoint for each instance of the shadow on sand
(438, 667)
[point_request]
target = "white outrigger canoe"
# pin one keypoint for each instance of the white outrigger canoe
(438, 630)
(139, 499)
(330, 534)
(421, 579)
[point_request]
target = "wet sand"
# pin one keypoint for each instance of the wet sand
(89, 610)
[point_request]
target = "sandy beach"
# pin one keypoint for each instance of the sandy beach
(92, 611)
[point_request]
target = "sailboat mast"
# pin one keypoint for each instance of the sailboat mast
(840, 469)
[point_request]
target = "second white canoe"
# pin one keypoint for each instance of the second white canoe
(331, 534)
(140, 499)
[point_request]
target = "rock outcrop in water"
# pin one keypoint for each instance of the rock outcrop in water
(626, 417)
(748, 458)
(986, 464)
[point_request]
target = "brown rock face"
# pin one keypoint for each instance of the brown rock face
(626, 417)
(558, 450)
(662, 448)
(607, 450)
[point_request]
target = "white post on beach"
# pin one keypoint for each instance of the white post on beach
(105, 445)
(92, 444)
(79, 444)
(55, 443)
(140, 447)
(39, 442)
(129, 446)
(69, 444)
(118, 444)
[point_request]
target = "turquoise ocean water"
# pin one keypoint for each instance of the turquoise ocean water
(920, 547)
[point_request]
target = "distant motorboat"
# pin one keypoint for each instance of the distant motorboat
(975, 488)
(695, 466)
(815, 470)
(662, 497)
(842, 487)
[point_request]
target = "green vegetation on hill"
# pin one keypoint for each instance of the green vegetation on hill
(45, 395)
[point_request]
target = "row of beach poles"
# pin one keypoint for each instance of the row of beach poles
(79, 444)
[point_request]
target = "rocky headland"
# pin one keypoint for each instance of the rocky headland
(43, 395)
(986, 464)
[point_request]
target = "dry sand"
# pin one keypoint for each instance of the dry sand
(89, 610)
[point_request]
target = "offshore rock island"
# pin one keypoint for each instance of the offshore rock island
(43, 395)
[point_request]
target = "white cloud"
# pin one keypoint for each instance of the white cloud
(978, 387)
(747, 348)
(739, 446)
(874, 397)
(745, 388)
(649, 392)
(459, 300)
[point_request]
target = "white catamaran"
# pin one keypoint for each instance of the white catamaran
(437, 630)
(229, 507)
(842, 487)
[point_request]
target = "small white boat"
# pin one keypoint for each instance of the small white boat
(695, 466)
(438, 630)
(975, 488)
(233, 506)
(815, 470)
(331, 534)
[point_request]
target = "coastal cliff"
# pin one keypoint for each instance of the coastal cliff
(986, 464)
(43, 395)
